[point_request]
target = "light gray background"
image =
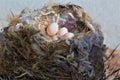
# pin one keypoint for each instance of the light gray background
(104, 12)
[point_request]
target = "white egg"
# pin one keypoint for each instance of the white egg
(55, 37)
(52, 29)
(62, 31)
(68, 35)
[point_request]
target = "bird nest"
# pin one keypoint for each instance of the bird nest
(27, 52)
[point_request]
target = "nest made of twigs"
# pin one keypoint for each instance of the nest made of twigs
(28, 52)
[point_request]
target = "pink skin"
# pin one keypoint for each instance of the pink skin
(69, 24)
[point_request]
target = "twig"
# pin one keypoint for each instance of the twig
(111, 74)
(23, 74)
(112, 53)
